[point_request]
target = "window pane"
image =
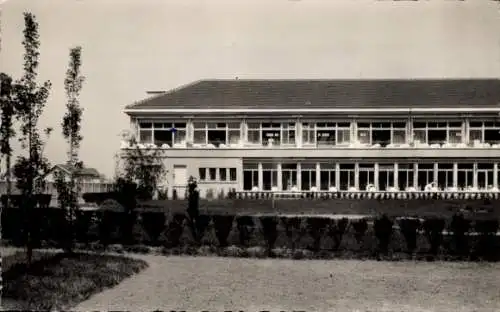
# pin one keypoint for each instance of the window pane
(247, 180)
(364, 136)
(475, 135)
(145, 136)
(234, 136)
(326, 137)
(163, 137)
(232, 174)
(399, 136)
(212, 173)
(420, 136)
(455, 136)
(202, 173)
(145, 125)
(200, 137)
(216, 137)
(308, 136)
(222, 174)
(180, 136)
(344, 136)
(253, 136)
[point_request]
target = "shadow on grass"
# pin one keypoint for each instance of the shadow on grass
(60, 281)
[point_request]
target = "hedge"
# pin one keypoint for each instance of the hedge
(377, 236)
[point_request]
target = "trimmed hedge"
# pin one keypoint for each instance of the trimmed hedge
(377, 236)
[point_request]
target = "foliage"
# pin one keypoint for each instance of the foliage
(7, 132)
(360, 227)
(269, 229)
(154, 224)
(460, 226)
(223, 226)
(383, 231)
(293, 226)
(336, 230)
(175, 229)
(68, 191)
(316, 226)
(30, 99)
(486, 246)
(409, 229)
(245, 227)
(433, 228)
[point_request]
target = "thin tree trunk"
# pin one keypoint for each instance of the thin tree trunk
(9, 181)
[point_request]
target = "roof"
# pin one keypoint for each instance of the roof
(318, 94)
(83, 172)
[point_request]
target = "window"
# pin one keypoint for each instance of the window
(308, 134)
(216, 133)
(271, 133)
(308, 176)
(425, 175)
(327, 176)
(385, 176)
(145, 132)
(346, 176)
(269, 176)
(212, 174)
(485, 176)
(484, 132)
(445, 176)
(437, 132)
(366, 175)
(222, 174)
(250, 176)
(202, 172)
(289, 176)
(332, 133)
(168, 133)
(232, 174)
(288, 134)
(465, 175)
(405, 176)
(383, 133)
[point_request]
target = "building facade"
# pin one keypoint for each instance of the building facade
(325, 135)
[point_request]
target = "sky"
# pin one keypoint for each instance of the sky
(131, 46)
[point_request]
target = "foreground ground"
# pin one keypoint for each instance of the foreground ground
(188, 283)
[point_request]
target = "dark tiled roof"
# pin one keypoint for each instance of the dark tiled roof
(286, 94)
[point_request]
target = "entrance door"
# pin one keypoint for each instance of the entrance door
(180, 180)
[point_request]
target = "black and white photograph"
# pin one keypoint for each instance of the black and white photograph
(250, 155)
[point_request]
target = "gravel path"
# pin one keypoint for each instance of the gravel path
(196, 284)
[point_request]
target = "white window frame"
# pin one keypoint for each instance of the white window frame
(165, 125)
(409, 180)
(484, 126)
(448, 172)
(330, 170)
(447, 128)
(351, 173)
(469, 172)
(331, 126)
(307, 170)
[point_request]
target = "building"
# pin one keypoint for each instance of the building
(332, 135)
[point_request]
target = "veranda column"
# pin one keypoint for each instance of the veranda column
(299, 176)
(495, 175)
(415, 176)
(474, 181)
(455, 174)
(298, 133)
(466, 131)
(375, 176)
(337, 176)
(190, 130)
(280, 177)
(356, 175)
(396, 175)
(261, 176)
(435, 178)
(318, 175)
(243, 131)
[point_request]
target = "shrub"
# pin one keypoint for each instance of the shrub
(487, 230)
(270, 231)
(107, 226)
(316, 227)
(360, 227)
(199, 228)
(246, 228)
(383, 231)
(409, 229)
(223, 226)
(460, 226)
(336, 230)
(82, 225)
(175, 229)
(293, 225)
(433, 228)
(153, 223)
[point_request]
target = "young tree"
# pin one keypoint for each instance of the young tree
(30, 99)
(68, 191)
(6, 127)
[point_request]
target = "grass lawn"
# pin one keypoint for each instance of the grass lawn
(59, 281)
(219, 284)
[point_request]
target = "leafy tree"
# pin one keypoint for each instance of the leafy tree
(7, 132)
(68, 191)
(30, 99)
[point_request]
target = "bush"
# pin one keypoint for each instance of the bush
(174, 230)
(294, 225)
(246, 227)
(409, 229)
(154, 224)
(433, 228)
(486, 245)
(270, 231)
(460, 226)
(360, 227)
(336, 230)
(223, 226)
(199, 228)
(383, 231)
(316, 226)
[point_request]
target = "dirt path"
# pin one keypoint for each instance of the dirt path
(187, 283)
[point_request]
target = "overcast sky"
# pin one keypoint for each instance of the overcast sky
(133, 46)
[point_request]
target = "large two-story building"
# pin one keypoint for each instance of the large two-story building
(279, 135)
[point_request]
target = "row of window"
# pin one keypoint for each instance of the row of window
(217, 174)
(344, 177)
(319, 134)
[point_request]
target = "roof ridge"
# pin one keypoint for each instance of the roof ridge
(352, 79)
